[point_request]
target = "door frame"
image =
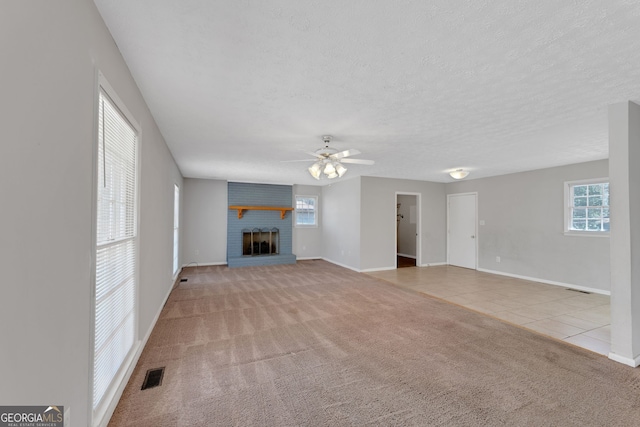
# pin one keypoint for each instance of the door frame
(475, 193)
(418, 227)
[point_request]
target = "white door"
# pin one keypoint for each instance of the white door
(461, 220)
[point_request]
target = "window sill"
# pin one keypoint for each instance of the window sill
(587, 233)
(306, 226)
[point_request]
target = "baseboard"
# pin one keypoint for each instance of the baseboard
(309, 258)
(342, 265)
(106, 417)
(634, 363)
(370, 270)
(203, 264)
(547, 282)
(406, 255)
(366, 270)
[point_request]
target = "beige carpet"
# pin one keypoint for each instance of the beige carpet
(318, 345)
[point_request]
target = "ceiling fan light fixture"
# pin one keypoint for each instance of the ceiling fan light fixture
(459, 174)
(329, 169)
(315, 170)
(328, 161)
(341, 170)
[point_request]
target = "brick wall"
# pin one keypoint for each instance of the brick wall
(241, 194)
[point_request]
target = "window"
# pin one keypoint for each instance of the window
(176, 226)
(115, 296)
(587, 207)
(306, 211)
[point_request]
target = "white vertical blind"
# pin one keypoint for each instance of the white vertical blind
(176, 226)
(115, 284)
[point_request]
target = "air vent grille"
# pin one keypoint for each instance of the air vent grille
(153, 378)
(577, 290)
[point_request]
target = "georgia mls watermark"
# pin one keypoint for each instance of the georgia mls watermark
(31, 416)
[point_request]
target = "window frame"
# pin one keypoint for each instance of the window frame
(100, 408)
(176, 230)
(568, 206)
(315, 211)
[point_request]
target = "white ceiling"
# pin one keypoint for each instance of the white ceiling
(421, 87)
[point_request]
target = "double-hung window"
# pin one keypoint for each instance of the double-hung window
(176, 228)
(115, 292)
(587, 207)
(306, 211)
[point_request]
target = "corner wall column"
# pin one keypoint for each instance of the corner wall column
(624, 238)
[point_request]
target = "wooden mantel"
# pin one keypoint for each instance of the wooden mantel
(240, 209)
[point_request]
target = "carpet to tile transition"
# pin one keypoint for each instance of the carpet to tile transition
(313, 344)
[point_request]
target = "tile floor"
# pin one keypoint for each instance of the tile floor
(578, 318)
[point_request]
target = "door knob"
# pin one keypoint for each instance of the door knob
(473, 237)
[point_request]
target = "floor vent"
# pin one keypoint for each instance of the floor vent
(577, 290)
(153, 378)
(184, 279)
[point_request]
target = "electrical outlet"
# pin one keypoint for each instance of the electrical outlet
(497, 259)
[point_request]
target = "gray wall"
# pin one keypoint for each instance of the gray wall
(340, 210)
(524, 225)
(51, 54)
(307, 241)
(378, 222)
(205, 221)
(407, 225)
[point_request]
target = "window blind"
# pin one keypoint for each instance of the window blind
(115, 280)
(176, 227)
(306, 210)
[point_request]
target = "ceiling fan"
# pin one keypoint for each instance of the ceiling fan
(329, 160)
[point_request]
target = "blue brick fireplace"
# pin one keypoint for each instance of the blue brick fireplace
(263, 195)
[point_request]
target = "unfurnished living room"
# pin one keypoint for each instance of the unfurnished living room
(297, 213)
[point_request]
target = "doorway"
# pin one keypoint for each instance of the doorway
(462, 242)
(407, 229)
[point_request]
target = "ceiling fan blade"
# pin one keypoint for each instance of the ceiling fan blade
(358, 161)
(320, 156)
(345, 153)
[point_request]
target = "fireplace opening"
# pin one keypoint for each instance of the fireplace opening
(260, 241)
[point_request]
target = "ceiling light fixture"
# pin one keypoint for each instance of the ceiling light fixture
(458, 174)
(341, 170)
(315, 170)
(329, 169)
(332, 169)
(328, 161)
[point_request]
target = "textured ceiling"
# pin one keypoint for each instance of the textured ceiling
(421, 87)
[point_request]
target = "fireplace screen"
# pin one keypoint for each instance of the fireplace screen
(260, 241)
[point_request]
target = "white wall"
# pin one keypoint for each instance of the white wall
(205, 221)
(378, 221)
(624, 184)
(407, 224)
(340, 210)
(307, 241)
(51, 53)
(524, 225)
